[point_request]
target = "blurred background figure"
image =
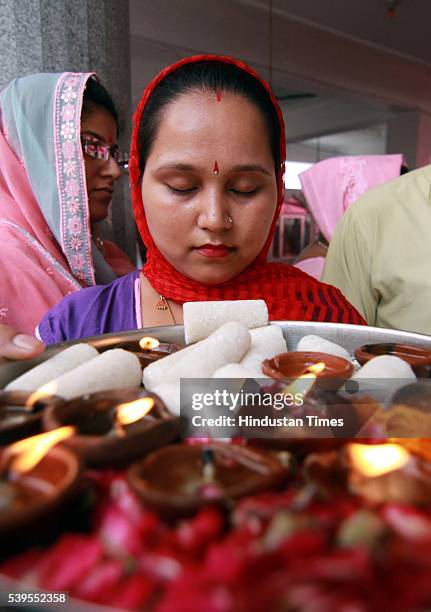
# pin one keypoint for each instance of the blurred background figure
(329, 188)
(380, 254)
(58, 164)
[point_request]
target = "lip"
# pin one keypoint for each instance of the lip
(214, 250)
(105, 190)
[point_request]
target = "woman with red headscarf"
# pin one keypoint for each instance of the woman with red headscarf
(206, 166)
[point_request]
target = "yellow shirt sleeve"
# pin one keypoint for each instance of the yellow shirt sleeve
(380, 254)
(348, 264)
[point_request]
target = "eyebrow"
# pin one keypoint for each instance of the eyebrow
(174, 166)
(241, 168)
(252, 168)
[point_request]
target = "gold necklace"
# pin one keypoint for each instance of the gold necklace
(163, 304)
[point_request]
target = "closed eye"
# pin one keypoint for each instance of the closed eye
(245, 193)
(181, 191)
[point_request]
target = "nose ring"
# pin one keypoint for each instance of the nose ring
(230, 220)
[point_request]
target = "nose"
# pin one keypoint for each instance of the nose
(111, 168)
(214, 211)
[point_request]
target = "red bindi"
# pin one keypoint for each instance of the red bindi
(215, 167)
(218, 95)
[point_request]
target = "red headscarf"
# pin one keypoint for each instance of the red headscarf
(288, 292)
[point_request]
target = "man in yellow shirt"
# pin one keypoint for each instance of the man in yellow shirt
(380, 254)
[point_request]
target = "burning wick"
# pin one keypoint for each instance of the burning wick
(208, 466)
(130, 412)
(373, 460)
(304, 383)
(315, 368)
(43, 392)
(7, 495)
(24, 455)
(209, 489)
(147, 343)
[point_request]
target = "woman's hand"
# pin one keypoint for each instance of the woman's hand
(14, 345)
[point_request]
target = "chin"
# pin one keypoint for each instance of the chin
(213, 277)
(97, 216)
(99, 210)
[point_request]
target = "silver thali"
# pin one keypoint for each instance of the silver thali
(348, 336)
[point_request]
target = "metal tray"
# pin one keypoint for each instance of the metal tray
(348, 336)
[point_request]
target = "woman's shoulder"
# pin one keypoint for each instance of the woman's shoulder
(92, 311)
(318, 301)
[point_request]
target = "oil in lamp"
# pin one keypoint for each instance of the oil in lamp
(114, 427)
(149, 349)
(35, 478)
(180, 478)
(20, 416)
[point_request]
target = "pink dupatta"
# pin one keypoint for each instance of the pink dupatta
(334, 184)
(45, 241)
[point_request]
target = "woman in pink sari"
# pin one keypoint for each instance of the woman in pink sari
(330, 187)
(58, 164)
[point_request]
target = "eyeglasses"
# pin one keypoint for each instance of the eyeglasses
(99, 150)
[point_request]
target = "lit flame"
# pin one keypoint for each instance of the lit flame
(316, 368)
(377, 459)
(147, 343)
(304, 383)
(44, 391)
(27, 453)
(133, 411)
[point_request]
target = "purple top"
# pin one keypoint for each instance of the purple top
(92, 311)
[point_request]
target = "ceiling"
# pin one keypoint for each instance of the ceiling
(407, 33)
(336, 120)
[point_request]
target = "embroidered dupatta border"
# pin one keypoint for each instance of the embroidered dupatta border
(70, 168)
(36, 245)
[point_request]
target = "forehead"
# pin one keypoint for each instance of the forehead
(205, 120)
(101, 123)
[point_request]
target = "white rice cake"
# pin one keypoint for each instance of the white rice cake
(203, 318)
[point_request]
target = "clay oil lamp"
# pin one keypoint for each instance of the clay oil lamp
(316, 418)
(387, 473)
(418, 358)
(416, 395)
(149, 349)
(114, 427)
(34, 479)
(329, 371)
(379, 473)
(407, 417)
(180, 478)
(21, 414)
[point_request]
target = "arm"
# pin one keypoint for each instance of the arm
(349, 262)
(72, 318)
(92, 311)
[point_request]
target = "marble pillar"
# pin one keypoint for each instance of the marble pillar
(76, 35)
